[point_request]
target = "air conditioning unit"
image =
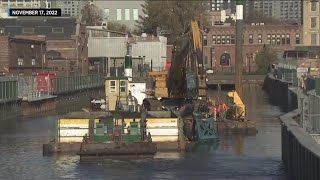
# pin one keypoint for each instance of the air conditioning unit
(144, 35)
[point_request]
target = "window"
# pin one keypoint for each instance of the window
(225, 59)
(106, 14)
(57, 30)
(20, 61)
(123, 86)
(288, 39)
(297, 38)
(127, 14)
(314, 38)
(214, 41)
(135, 14)
(33, 61)
(313, 6)
(205, 41)
(205, 60)
(233, 39)
(119, 14)
(259, 41)
(313, 22)
(112, 86)
(28, 30)
(260, 36)
(283, 39)
(250, 38)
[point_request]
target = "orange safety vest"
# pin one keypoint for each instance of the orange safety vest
(224, 107)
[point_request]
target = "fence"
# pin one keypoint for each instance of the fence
(76, 83)
(8, 88)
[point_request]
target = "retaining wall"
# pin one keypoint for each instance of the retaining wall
(300, 152)
(280, 94)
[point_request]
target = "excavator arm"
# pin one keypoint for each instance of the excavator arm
(186, 75)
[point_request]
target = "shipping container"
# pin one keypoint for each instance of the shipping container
(45, 83)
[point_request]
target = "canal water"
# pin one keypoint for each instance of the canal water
(242, 157)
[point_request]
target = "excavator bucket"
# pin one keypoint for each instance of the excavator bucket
(239, 107)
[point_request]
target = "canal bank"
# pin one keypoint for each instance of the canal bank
(61, 104)
(299, 128)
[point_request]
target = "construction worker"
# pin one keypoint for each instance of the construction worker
(224, 109)
(218, 111)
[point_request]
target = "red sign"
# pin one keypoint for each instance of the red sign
(45, 82)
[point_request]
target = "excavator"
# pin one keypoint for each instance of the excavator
(184, 84)
(186, 78)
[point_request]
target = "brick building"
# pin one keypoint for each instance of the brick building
(219, 43)
(63, 36)
(22, 56)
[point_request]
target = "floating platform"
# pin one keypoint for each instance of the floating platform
(113, 149)
(237, 126)
(74, 147)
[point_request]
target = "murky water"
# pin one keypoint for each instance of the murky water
(235, 157)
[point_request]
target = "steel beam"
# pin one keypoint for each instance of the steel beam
(239, 43)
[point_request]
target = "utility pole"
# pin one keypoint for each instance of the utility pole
(239, 42)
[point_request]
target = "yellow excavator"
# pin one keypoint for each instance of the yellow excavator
(186, 78)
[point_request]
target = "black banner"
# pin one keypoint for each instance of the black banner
(35, 12)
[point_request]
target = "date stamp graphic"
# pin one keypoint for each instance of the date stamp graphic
(35, 12)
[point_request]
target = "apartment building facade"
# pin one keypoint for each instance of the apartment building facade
(123, 12)
(290, 11)
(311, 23)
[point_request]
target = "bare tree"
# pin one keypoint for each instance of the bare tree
(91, 15)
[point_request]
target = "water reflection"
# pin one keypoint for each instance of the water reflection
(235, 156)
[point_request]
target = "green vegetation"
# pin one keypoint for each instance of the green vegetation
(171, 16)
(114, 26)
(91, 15)
(265, 58)
(231, 21)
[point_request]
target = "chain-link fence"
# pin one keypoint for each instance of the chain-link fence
(30, 88)
(39, 87)
(309, 106)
